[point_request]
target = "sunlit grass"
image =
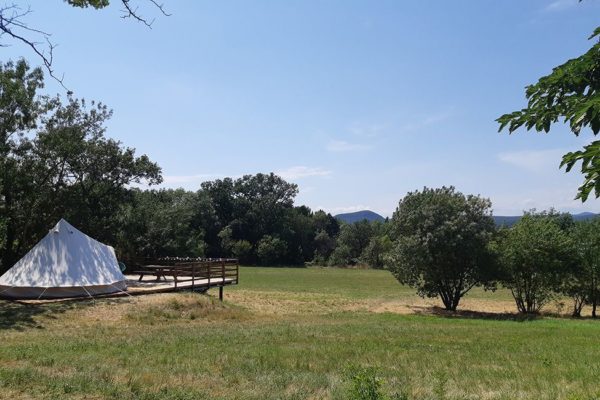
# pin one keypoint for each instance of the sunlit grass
(288, 334)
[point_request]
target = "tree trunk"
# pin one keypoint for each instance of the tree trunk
(594, 296)
(9, 239)
(450, 298)
(578, 302)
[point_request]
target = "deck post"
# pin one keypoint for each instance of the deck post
(193, 276)
(221, 293)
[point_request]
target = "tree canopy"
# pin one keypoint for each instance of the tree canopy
(535, 255)
(441, 243)
(55, 161)
(570, 93)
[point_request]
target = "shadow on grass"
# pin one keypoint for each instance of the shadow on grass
(20, 315)
(470, 314)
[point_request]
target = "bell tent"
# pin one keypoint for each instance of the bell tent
(65, 263)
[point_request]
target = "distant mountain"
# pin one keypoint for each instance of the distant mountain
(353, 217)
(511, 220)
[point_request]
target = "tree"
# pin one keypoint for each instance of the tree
(324, 246)
(351, 242)
(271, 250)
(13, 24)
(582, 282)
(56, 162)
(441, 243)
(20, 110)
(536, 256)
(374, 254)
(161, 223)
(570, 93)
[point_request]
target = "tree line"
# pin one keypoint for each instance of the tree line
(446, 243)
(56, 162)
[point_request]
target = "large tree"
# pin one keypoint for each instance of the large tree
(56, 162)
(441, 243)
(535, 255)
(571, 93)
(583, 281)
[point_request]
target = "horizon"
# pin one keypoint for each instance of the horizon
(494, 215)
(357, 103)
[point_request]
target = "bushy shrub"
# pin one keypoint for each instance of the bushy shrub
(271, 250)
(536, 256)
(366, 385)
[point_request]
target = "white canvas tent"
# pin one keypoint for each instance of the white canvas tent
(65, 263)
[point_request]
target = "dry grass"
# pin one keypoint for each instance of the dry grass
(290, 334)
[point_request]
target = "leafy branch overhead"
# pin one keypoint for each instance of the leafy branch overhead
(13, 25)
(570, 93)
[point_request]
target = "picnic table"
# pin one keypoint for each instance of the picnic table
(156, 270)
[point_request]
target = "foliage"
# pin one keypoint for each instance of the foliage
(581, 283)
(375, 253)
(161, 223)
(56, 162)
(324, 246)
(441, 243)
(351, 242)
(271, 250)
(569, 93)
(536, 255)
(97, 4)
(364, 384)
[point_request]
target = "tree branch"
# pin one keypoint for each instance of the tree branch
(130, 12)
(11, 24)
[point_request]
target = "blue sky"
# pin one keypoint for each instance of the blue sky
(358, 102)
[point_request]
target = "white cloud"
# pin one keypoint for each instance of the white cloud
(558, 5)
(301, 171)
(342, 146)
(534, 160)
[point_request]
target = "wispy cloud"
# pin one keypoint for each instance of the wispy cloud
(533, 160)
(302, 171)
(170, 180)
(559, 5)
(342, 146)
(427, 120)
(367, 130)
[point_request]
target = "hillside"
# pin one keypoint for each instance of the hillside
(353, 217)
(511, 220)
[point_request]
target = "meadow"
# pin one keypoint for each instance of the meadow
(294, 333)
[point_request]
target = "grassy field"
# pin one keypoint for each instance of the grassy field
(287, 333)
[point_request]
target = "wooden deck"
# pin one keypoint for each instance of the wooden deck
(172, 274)
(175, 274)
(149, 284)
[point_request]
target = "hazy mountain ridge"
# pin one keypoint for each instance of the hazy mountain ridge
(357, 216)
(503, 220)
(500, 220)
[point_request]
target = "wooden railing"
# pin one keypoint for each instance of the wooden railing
(201, 272)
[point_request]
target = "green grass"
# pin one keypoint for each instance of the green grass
(288, 333)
